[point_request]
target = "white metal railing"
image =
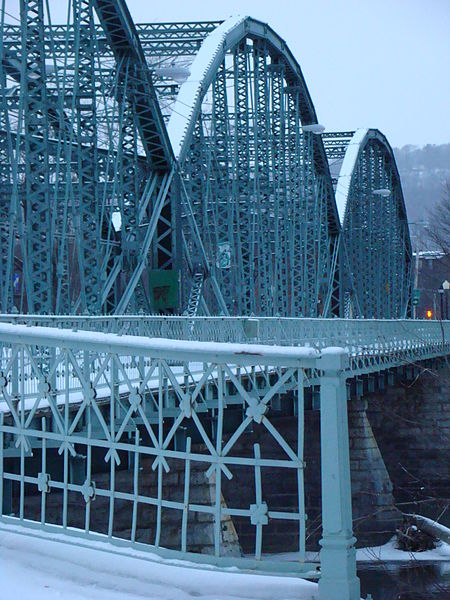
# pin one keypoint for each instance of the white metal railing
(372, 343)
(143, 424)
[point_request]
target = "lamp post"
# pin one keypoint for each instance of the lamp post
(441, 298)
(444, 299)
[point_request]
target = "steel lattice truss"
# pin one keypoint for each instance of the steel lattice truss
(127, 151)
(83, 139)
(375, 231)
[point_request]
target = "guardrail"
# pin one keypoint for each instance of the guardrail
(372, 344)
(51, 473)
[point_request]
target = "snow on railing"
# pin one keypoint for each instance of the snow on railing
(108, 464)
(376, 341)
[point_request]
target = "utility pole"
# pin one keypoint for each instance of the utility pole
(416, 282)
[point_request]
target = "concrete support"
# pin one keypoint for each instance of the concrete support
(411, 424)
(338, 556)
(374, 513)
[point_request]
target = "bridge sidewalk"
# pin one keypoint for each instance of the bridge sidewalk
(44, 567)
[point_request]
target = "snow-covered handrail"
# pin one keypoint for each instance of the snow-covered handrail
(167, 349)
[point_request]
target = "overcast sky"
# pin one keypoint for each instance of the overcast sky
(367, 63)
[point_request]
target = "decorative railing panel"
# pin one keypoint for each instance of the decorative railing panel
(122, 436)
(149, 463)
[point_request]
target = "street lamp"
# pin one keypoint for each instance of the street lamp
(383, 192)
(316, 128)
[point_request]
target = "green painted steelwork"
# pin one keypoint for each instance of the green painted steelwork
(38, 205)
(84, 144)
(267, 203)
(258, 183)
(197, 137)
(375, 231)
(164, 289)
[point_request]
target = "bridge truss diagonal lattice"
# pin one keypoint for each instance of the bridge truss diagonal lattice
(176, 167)
(375, 233)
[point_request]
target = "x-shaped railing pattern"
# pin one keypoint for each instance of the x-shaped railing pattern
(108, 397)
(152, 409)
(373, 345)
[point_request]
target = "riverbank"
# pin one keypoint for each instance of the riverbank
(386, 553)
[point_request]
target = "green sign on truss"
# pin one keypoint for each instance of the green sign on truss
(163, 289)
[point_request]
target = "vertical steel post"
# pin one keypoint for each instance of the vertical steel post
(38, 205)
(86, 205)
(337, 556)
(5, 484)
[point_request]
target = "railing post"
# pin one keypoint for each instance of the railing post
(15, 375)
(338, 556)
(141, 360)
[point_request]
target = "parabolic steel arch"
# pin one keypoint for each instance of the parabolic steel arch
(255, 177)
(375, 234)
(219, 180)
(82, 140)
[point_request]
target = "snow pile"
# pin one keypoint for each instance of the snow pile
(390, 553)
(386, 553)
(42, 567)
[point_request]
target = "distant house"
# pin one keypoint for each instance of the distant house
(432, 269)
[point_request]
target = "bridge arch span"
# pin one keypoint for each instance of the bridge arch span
(257, 181)
(205, 66)
(375, 231)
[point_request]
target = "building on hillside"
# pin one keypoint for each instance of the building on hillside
(432, 270)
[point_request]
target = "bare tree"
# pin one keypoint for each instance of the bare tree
(439, 223)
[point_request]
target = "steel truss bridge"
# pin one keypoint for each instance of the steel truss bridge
(179, 167)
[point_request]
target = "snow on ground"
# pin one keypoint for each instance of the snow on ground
(41, 567)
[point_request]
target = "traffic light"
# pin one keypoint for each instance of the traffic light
(429, 314)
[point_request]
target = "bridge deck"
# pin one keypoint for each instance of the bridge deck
(89, 410)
